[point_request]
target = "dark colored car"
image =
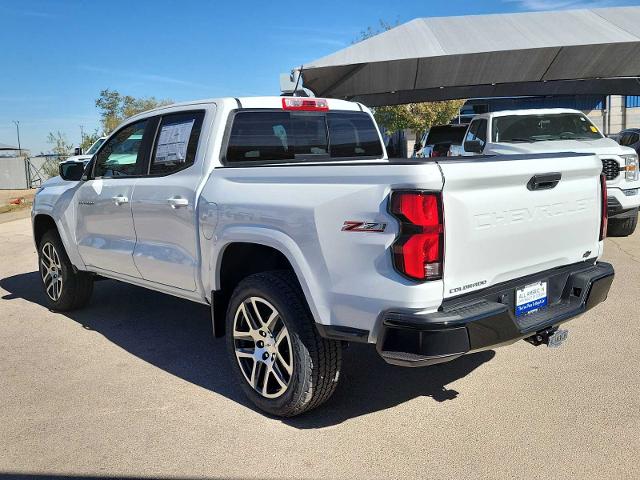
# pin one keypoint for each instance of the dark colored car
(630, 138)
(439, 139)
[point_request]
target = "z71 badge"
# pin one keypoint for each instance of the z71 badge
(353, 226)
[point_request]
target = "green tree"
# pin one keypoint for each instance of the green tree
(417, 117)
(115, 107)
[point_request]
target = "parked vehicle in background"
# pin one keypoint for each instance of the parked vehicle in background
(548, 131)
(447, 138)
(286, 217)
(630, 138)
(86, 156)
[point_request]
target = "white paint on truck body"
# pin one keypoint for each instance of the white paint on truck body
(495, 229)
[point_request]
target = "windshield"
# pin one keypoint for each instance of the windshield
(543, 127)
(446, 134)
(94, 148)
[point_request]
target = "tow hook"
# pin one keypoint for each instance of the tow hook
(551, 337)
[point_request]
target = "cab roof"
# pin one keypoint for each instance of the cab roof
(252, 102)
(531, 111)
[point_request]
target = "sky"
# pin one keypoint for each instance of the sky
(57, 55)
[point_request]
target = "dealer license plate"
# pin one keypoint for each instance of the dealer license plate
(531, 298)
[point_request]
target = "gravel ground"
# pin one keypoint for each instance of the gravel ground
(135, 386)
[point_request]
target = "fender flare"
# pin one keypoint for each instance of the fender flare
(70, 247)
(283, 243)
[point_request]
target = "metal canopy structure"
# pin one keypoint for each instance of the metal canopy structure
(595, 51)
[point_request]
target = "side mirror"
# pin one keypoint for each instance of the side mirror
(77, 151)
(473, 146)
(71, 171)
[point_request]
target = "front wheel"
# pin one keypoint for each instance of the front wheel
(622, 227)
(277, 355)
(65, 288)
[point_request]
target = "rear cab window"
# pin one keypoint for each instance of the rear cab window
(280, 136)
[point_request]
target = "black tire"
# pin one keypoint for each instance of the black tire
(622, 227)
(316, 360)
(76, 287)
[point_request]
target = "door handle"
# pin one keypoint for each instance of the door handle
(178, 202)
(120, 199)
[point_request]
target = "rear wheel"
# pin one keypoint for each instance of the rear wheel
(64, 288)
(622, 227)
(279, 359)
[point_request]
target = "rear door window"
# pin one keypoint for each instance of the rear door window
(176, 143)
(280, 136)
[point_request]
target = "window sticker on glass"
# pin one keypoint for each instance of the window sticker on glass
(173, 142)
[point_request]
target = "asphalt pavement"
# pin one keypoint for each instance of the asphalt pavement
(134, 385)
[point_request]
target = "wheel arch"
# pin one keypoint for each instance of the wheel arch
(239, 259)
(42, 223)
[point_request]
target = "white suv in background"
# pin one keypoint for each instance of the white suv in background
(563, 130)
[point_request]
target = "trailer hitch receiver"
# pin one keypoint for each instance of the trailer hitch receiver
(551, 337)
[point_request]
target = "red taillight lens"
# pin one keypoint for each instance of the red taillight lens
(305, 104)
(418, 250)
(604, 218)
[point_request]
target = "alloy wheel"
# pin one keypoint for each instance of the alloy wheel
(51, 271)
(262, 346)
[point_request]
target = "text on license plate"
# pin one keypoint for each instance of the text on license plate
(530, 298)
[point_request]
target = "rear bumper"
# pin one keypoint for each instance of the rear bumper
(486, 319)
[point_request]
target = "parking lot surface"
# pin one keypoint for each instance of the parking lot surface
(134, 385)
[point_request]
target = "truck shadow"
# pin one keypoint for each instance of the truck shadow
(175, 335)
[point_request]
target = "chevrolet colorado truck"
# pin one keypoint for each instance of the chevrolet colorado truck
(285, 215)
(563, 130)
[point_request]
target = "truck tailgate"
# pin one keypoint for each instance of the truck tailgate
(498, 228)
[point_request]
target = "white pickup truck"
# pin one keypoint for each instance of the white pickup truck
(563, 130)
(285, 216)
(86, 156)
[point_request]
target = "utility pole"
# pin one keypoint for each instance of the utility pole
(17, 122)
(81, 135)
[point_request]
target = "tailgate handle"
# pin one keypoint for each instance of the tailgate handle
(544, 181)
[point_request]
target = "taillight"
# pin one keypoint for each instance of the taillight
(418, 250)
(604, 216)
(305, 104)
